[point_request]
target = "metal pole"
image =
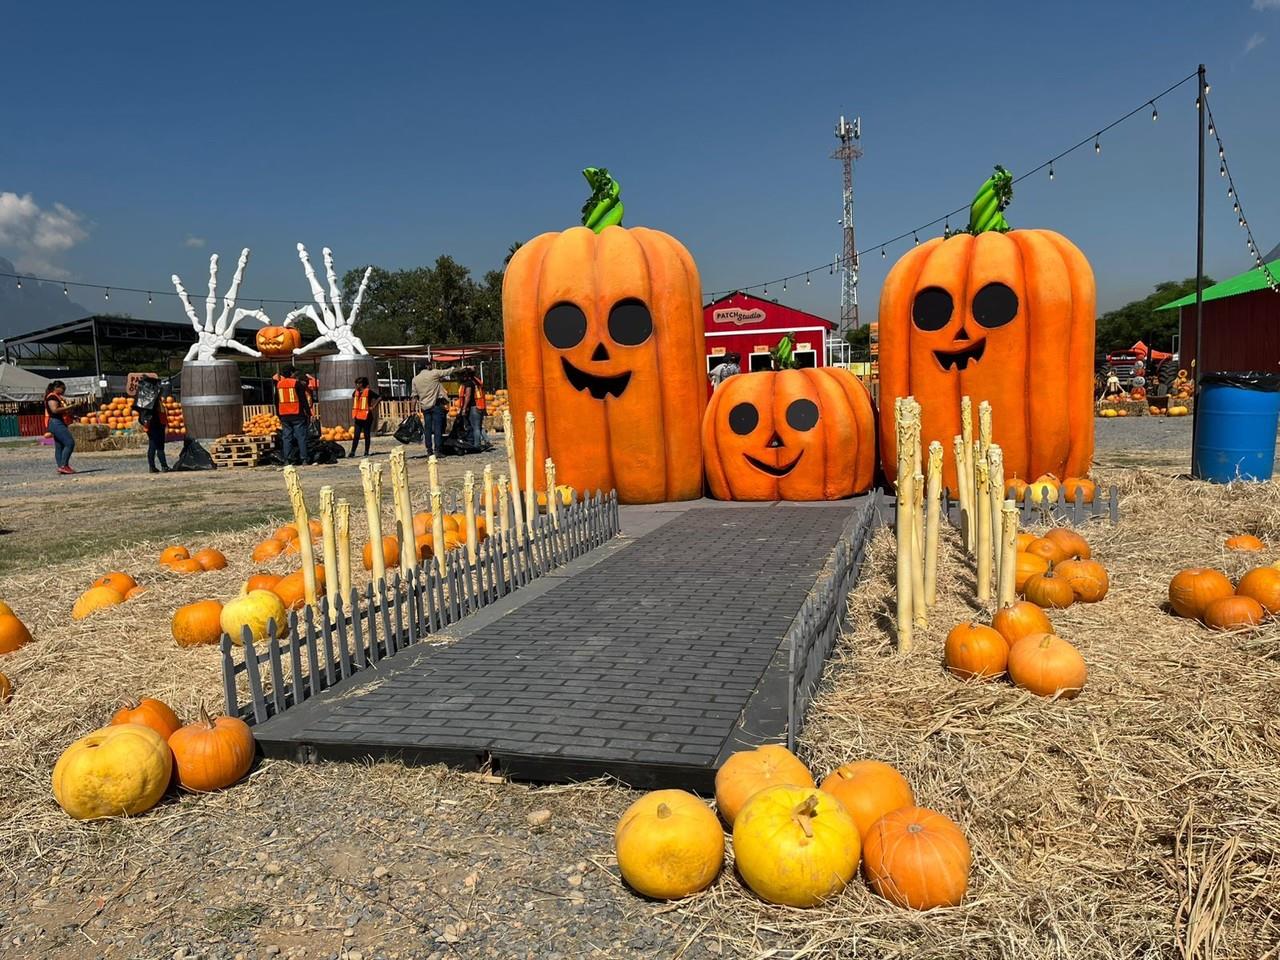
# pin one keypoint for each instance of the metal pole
(97, 363)
(1198, 362)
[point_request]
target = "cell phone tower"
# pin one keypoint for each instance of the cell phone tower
(848, 134)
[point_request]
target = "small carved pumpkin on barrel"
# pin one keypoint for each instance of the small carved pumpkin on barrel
(1000, 315)
(790, 435)
(604, 345)
(278, 341)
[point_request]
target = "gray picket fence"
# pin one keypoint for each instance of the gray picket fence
(1076, 512)
(341, 636)
(814, 631)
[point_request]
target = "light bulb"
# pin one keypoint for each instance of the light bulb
(1222, 169)
(65, 293)
(806, 280)
(784, 286)
(1050, 171)
(1221, 155)
(1097, 147)
(766, 291)
(107, 295)
(148, 296)
(915, 238)
(19, 283)
(1155, 114)
(1211, 128)
(1197, 103)
(882, 253)
(1231, 191)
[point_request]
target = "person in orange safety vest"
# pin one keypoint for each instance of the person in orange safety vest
(364, 413)
(293, 405)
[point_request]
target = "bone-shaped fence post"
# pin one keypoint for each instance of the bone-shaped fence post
(301, 520)
(1008, 553)
(469, 511)
(962, 488)
(437, 529)
(403, 510)
(995, 460)
(329, 529)
(934, 507)
(983, 498)
(966, 435)
(489, 527)
(513, 477)
(344, 550)
(503, 496)
(530, 484)
(371, 481)
(553, 496)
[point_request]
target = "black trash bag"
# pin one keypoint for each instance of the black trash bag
(324, 452)
(1243, 380)
(148, 394)
(273, 457)
(410, 429)
(193, 457)
(313, 433)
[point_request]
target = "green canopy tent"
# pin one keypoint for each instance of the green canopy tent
(1241, 322)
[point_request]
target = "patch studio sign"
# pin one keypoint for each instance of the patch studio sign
(737, 316)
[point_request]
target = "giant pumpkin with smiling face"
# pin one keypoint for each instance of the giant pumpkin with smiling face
(1001, 315)
(790, 435)
(604, 345)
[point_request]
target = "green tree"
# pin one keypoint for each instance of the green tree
(1139, 320)
(859, 342)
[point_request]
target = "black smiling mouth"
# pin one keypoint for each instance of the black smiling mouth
(781, 471)
(959, 359)
(598, 387)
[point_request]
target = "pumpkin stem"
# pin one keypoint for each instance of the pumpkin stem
(604, 207)
(205, 720)
(804, 813)
(986, 213)
(663, 811)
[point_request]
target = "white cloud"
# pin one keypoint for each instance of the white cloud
(1266, 4)
(1253, 43)
(194, 241)
(36, 233)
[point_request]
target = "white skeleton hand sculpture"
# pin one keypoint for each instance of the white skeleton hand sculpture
(218, 333)
(334, 327)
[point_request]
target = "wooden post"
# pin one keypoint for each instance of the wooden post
(328, 523)
(962, 491)
(553, 498)
(517, 513)
(995, 461)
(344, 550)
(437, 528)
(934, 507)
(966, 435)
(983, 498)
(502, 502)
(1008, 552)
(371, 480)
(469, 509)
(918, 602)
(530, 487)
(905, 537)
(302, 521)
(403, 510)
(433, 473)
(487, 478)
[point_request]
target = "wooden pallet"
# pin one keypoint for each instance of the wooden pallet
(236, 460)
(241, 439)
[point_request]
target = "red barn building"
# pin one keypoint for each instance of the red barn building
(749, 326)
(1241, 324)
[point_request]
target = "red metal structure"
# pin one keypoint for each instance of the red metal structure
(750, 326)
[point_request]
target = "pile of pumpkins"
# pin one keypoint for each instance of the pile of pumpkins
(179, 559)
(109, 590)
(175, 420)
(262, 425)
(1019, 642)
(1207, 595)
(13, 636)
(1058, 569)
(1046, 487)
(795, 843)
(337, 434)
(126, 767)
(117, 414)
(1112, 412)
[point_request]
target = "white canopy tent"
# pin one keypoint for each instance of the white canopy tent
(19, 384)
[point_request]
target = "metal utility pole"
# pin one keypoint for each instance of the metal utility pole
(1198, 364)
(848, 134)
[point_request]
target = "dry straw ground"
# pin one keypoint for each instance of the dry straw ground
(1141, 819)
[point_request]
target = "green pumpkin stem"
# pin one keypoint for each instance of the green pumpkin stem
(604, 207)
(986, 213)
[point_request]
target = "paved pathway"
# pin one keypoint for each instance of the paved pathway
(649, 664)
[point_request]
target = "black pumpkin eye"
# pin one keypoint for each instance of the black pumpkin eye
(995, 305)
(565, 325)
(932, 308)
(630, 323)
(802, 415)
(743, 418)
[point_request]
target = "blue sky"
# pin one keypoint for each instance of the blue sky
(149, 135)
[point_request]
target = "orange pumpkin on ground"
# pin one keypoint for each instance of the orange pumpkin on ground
(1026, 566)
(868, 789)
(1019, 619)
(790, 435)
(268, 549)
(1049, 590)
(1047, 665)
(1233, 613)
(6, 689)
(1025, 540)
(150, 713)
(13, 633)
(121, 583)
(1050, 550)
(604, 339)
(1263, 585)
(1015, 490)
(1087, 488)
(212, 754)
(1006, 317)
(422, 523)
(390, 553)
(1245, 542)
(292, 589)
(197, 624)
(286, 533)
(749, 771)
(191, 565)
(209, 559)
(424, 545)
(1088, 579)
(917, 858)
(975, 652)
(1071, 543)
(169, 554)
(135, 593)
(1190, 591)
(261, 581)
(95, 599)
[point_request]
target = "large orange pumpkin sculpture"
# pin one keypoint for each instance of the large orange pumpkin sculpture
(604, 346)
(277, 341)
(1000, 315)
(790, 435)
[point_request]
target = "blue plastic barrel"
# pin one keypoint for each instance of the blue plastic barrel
(1237, 415)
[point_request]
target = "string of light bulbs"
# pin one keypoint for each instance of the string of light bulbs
(1224, 171)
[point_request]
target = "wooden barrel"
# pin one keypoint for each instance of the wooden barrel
(337, 376)
(212, 403)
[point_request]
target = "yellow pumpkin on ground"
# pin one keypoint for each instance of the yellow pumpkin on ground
(254, 610)
(119, 770)
(749, 771)
(795, 845)
(669, 845)
(94, 599)
(868, 789)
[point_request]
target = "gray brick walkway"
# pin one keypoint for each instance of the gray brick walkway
(647, 665)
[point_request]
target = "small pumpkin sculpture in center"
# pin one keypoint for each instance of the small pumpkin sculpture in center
(277, 341)
(790, 435)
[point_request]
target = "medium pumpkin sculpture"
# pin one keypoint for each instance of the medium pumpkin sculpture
(1001, 315)
(790, 435)
(277, 341)
(604, 345)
